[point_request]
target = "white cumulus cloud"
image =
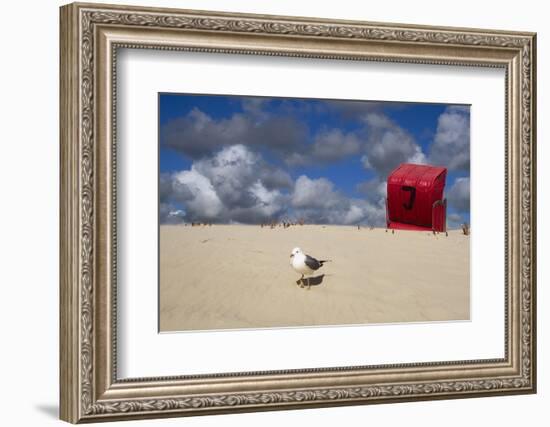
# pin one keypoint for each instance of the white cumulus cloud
(388, 145)
(458, 195)
(234, 185)
(451, 145)
(317, 201)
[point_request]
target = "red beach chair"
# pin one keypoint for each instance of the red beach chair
(415, 198)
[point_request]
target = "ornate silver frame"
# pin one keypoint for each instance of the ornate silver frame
(90, 36)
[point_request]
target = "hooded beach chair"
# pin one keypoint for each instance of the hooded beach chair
(415, 198)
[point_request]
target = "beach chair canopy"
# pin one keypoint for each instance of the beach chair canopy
(415, 198)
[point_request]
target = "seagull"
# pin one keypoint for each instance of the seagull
(304, 264)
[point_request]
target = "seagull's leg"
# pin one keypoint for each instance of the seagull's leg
(308, 284)
(302, 281)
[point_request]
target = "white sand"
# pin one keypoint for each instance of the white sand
(237, 276)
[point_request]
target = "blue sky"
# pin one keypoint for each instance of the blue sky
(252, 159)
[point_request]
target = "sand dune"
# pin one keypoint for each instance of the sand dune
(238, 276)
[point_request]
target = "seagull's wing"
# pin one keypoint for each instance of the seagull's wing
(312, 263)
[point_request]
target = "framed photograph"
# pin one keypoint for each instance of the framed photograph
(267, 212)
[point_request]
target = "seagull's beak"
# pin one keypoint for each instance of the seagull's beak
(291, 255)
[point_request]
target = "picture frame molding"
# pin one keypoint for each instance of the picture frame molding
(89, 38)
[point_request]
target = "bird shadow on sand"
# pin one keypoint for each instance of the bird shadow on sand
(313, 281)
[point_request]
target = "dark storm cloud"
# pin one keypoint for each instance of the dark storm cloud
(332, 145)
(197, 134)
(273, 178)
(353, 110)
(165, 187)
